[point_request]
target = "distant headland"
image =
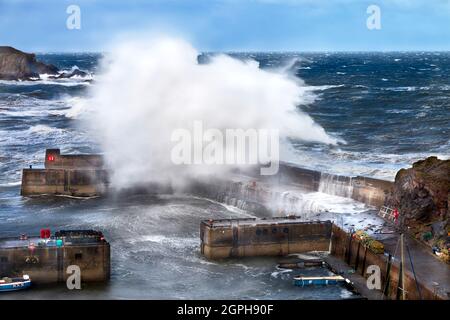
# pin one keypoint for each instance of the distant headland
(19, 65)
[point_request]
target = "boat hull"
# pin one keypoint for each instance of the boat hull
(318, 281)
(15, 286)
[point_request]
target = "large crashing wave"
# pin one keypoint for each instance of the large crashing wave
(147, 89)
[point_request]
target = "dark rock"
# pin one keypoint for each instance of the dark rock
(18, 65)
(421, 194)
(73, 73)
(439, 229)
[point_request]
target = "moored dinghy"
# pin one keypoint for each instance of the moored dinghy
(318, 281)
(14, 284)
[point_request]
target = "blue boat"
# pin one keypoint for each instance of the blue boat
(14, 284)
(318, 281)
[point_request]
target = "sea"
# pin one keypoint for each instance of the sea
(390, 110)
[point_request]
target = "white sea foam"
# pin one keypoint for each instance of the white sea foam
(398, 111)
(149, 88)
(240, 212)
(400, 89)
(324, 87)
(336, 204)
(275, 274)
(174, 242)
(71, 82)
(11, 184)
(77, 108)
(43, 129)
(379, 164)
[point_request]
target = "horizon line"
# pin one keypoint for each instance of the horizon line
(262, 51)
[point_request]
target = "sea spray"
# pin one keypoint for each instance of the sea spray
(148, 88)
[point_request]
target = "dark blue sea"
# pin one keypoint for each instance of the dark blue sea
(391, 109)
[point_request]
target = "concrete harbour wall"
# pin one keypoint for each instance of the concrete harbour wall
(49, 264)
(72, 182)
(283, 236)
(70, 175)
(271, 237)
(359, 257)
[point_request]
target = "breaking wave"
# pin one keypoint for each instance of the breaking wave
(166, 88)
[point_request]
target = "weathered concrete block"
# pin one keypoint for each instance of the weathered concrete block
(46, 263)
(262, 237)
(72, 175)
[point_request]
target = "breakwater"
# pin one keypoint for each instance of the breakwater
(284, 193)
(69, 175)
(86, 175)
(288, 235)
(46, 260)
(262, 237)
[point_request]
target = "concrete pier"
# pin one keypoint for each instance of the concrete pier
(358, 257)
(363, 189)
(342, 251)
(84, 175)
(70, 175)
(46, 260)
(262, 237)
(283, 194)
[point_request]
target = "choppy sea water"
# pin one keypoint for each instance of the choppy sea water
(390, 109)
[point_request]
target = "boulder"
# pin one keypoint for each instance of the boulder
(421, 194)
(73, 73)
(18, 65)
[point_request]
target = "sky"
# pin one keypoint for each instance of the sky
(229, 25)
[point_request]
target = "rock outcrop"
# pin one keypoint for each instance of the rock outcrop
(421, 194)
(18, 65)
(73, 73)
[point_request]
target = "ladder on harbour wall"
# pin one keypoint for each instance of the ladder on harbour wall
(387, 213)
(235, 238)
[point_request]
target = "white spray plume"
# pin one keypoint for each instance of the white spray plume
(146, 90)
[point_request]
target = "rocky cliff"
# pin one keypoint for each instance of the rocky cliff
(421, 194)
(18, 65)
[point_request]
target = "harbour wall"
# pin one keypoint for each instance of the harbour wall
(49, 264)
(359, 257)
(363, 189)
(70, 182)
(288, 235)
(85, 175)
(283, 194)
(271, 237)
(71, 175)
(55, 160)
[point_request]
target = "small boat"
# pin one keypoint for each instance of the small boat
(296, 263)
(14, 284)
(318, 281)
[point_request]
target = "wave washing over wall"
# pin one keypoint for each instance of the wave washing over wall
(336, 185)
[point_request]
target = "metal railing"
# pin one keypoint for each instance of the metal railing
(387, 213)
